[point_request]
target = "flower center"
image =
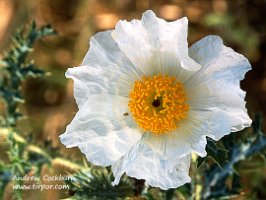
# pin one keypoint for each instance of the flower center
(158, 103)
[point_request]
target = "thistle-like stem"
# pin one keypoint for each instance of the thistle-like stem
(196, 186)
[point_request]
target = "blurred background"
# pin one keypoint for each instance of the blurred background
(49, 100)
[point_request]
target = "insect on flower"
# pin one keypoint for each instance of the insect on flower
(147, 101)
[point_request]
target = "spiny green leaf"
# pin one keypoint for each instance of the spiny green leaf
(215, 182)
(96, 184)
(14, 68)
(216, 152)
(17, 68)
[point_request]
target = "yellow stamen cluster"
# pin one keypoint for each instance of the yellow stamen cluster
(157, 103)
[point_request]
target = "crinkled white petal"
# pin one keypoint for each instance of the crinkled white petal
(105, 69)
(215, 57)
(89, 81)
(166, 36)
(167, 64)
(131, 39)
(143, 162)
(190, 136)
(105, 52)
(101, 131)
(190, 65)
(215, 88)
(141, 40)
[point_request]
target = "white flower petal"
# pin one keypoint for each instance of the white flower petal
(168, 64)
(166, 36)
(192, 131)
(90, 80)
(190, 65)
(214, 124)
(131, 39)
(190, 136)
(142, 162)
(141, 40)
(215, 87)
(105, 52)
(214, 56)
(223, 98)
(105, 69)
(101, 131)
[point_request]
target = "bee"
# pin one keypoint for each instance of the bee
(126, 114)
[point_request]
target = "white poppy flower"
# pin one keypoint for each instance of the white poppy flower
(147, 101)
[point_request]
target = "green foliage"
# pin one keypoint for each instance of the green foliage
(236, 32)
(15, 68)
(96, 185)
(215, 151)
(216, 178)
(16, 165)
(181, 193)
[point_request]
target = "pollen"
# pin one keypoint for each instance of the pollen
(158, 103)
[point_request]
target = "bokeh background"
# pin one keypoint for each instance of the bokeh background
(50, 105)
